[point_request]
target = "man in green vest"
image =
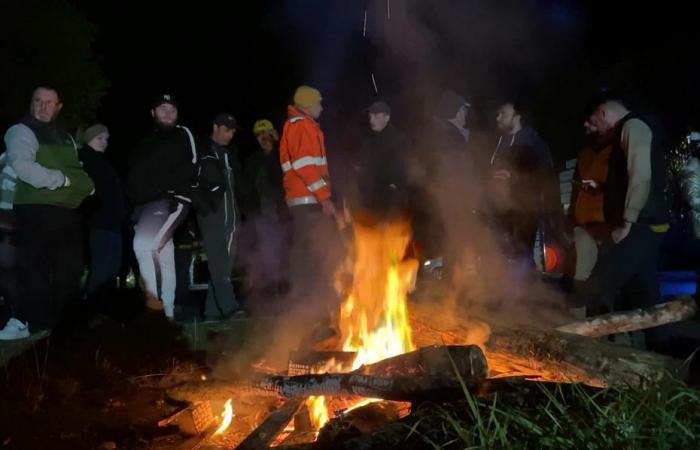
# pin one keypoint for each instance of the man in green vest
(51, 184)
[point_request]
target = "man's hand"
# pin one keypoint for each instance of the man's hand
(66, 183)
(328, 208)
(620, 233)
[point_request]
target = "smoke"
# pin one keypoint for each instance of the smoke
(415, 50)
(487, 52)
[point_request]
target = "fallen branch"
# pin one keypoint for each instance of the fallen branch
(637, 319)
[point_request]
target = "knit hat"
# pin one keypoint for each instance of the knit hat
(94, 131)
(262, 125)
(305, 96)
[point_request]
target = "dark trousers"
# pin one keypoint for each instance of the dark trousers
(9, 287)
(50, 262)
(314, 256)
(220, 244)
(626, 272)
(271, 239)
(105, 258)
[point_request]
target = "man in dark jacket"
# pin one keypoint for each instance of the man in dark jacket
(444, 213)
(382, 179)
(268, 209)
(218, 215)
(521, 184)
(51, 184)
(105, 213)
(159, 183)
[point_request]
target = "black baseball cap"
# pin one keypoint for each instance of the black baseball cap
(379, 107)
(226, 119)
(164, 98)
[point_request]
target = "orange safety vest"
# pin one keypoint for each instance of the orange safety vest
(303, 160)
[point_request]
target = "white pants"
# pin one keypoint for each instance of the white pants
(154, 248)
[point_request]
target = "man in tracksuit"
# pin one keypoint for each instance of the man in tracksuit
(159, 185)
(218, 216)
(51, 184)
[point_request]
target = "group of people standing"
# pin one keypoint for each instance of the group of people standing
(53, 188)
(171, 173)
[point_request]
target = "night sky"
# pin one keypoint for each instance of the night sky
(247, 57)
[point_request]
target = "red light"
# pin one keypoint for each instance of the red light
(552, 258)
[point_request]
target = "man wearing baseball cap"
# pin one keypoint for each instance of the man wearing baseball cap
(159, 185)
(381, 168)
(268, 209)
(219, 183)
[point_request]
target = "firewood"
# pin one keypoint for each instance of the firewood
(551, 355)
(261, 437)
(434, 360)
(397, 388)
(637, 319)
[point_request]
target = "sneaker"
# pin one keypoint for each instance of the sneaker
(14, 329)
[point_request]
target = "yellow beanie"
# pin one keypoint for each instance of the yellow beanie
(262, 125)
(305, 96)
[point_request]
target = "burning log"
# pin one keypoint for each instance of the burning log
(262, 436)
(214, 390)
(397, 388)
(637, 319)
(435, 361)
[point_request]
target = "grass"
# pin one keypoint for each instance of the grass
(559, 416)
(565, 416)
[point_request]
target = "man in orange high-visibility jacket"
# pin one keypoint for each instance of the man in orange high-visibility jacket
(308, 194)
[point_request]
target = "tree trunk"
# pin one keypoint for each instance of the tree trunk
(637, 319)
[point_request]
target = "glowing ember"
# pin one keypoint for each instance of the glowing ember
(226, 417)
(362, 403)
(318, 412)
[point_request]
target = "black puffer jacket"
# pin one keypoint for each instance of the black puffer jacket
(162, 165)
(106, 209)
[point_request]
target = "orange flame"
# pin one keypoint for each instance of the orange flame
(226, 417)
(318, 411)
(374, 318)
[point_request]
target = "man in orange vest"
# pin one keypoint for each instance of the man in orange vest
(308, 194)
